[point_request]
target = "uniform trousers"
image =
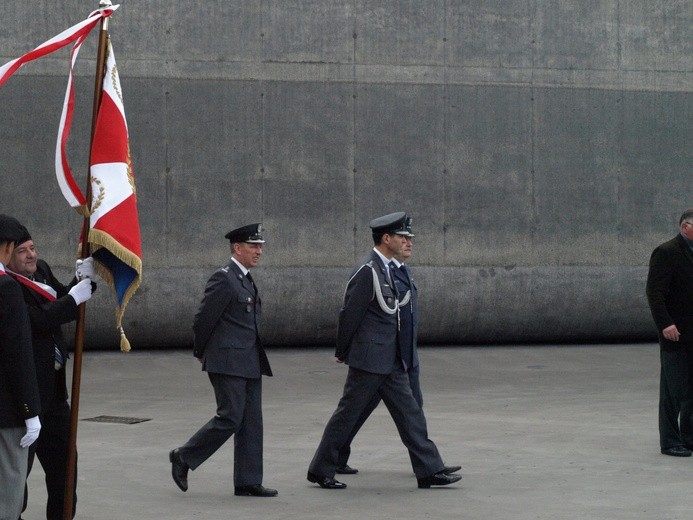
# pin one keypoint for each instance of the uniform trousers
(13, 468)
(360, 389)
(239, 413)
(51, 448)
(676, 398)
(345, 451)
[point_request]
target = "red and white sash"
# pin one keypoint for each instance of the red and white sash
(41, 289)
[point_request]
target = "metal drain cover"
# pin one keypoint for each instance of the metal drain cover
(116, 420)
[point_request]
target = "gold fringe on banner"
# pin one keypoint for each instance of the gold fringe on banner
(99, 239)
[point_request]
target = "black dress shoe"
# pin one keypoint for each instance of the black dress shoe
(256, 490)
(346, 470)
(179, 470)
(677, 451)
(439, 479)
(449, 470)
(326, 482)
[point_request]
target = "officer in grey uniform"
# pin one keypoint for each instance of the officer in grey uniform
(367, 340)
(227, 342)
(408, 329)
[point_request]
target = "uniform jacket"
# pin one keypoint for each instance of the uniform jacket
(409, 317)
(46, 318)
(19, 397)
(670, 290)
(225, 328)
(367, 335)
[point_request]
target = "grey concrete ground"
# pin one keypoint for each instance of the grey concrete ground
(554, 432)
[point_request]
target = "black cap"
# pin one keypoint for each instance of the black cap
(395, 223)
(25, 235)
(10, 229)
(252, 234)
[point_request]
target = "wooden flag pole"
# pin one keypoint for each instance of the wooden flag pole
(71, 473)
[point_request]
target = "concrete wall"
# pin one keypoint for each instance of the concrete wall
(543, 148)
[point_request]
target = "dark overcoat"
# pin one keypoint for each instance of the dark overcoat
(46, 318)
(670, 291)
(19, 396)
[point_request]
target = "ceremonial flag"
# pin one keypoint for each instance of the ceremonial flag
(80, 30)
(77, 34)
(114, 231)
(110, 228)
(113, 234)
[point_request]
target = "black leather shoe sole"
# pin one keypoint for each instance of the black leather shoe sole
(325, 482)
(179, 470)
(449, 470)
(439, 479)
(254, 491)
(677, 451)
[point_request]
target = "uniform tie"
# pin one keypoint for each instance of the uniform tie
(391, 274)
(59, 359)
(250, 279)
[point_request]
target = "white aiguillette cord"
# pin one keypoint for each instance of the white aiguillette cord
(379, 296)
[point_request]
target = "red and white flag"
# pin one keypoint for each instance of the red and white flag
(114, 233)
(80, 30)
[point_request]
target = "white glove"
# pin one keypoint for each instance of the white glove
(81, 292)
(84, 268)
(33, 427)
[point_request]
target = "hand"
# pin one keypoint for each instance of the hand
(84, 268)
(81, 292)
(33, 427)
(671, 333)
